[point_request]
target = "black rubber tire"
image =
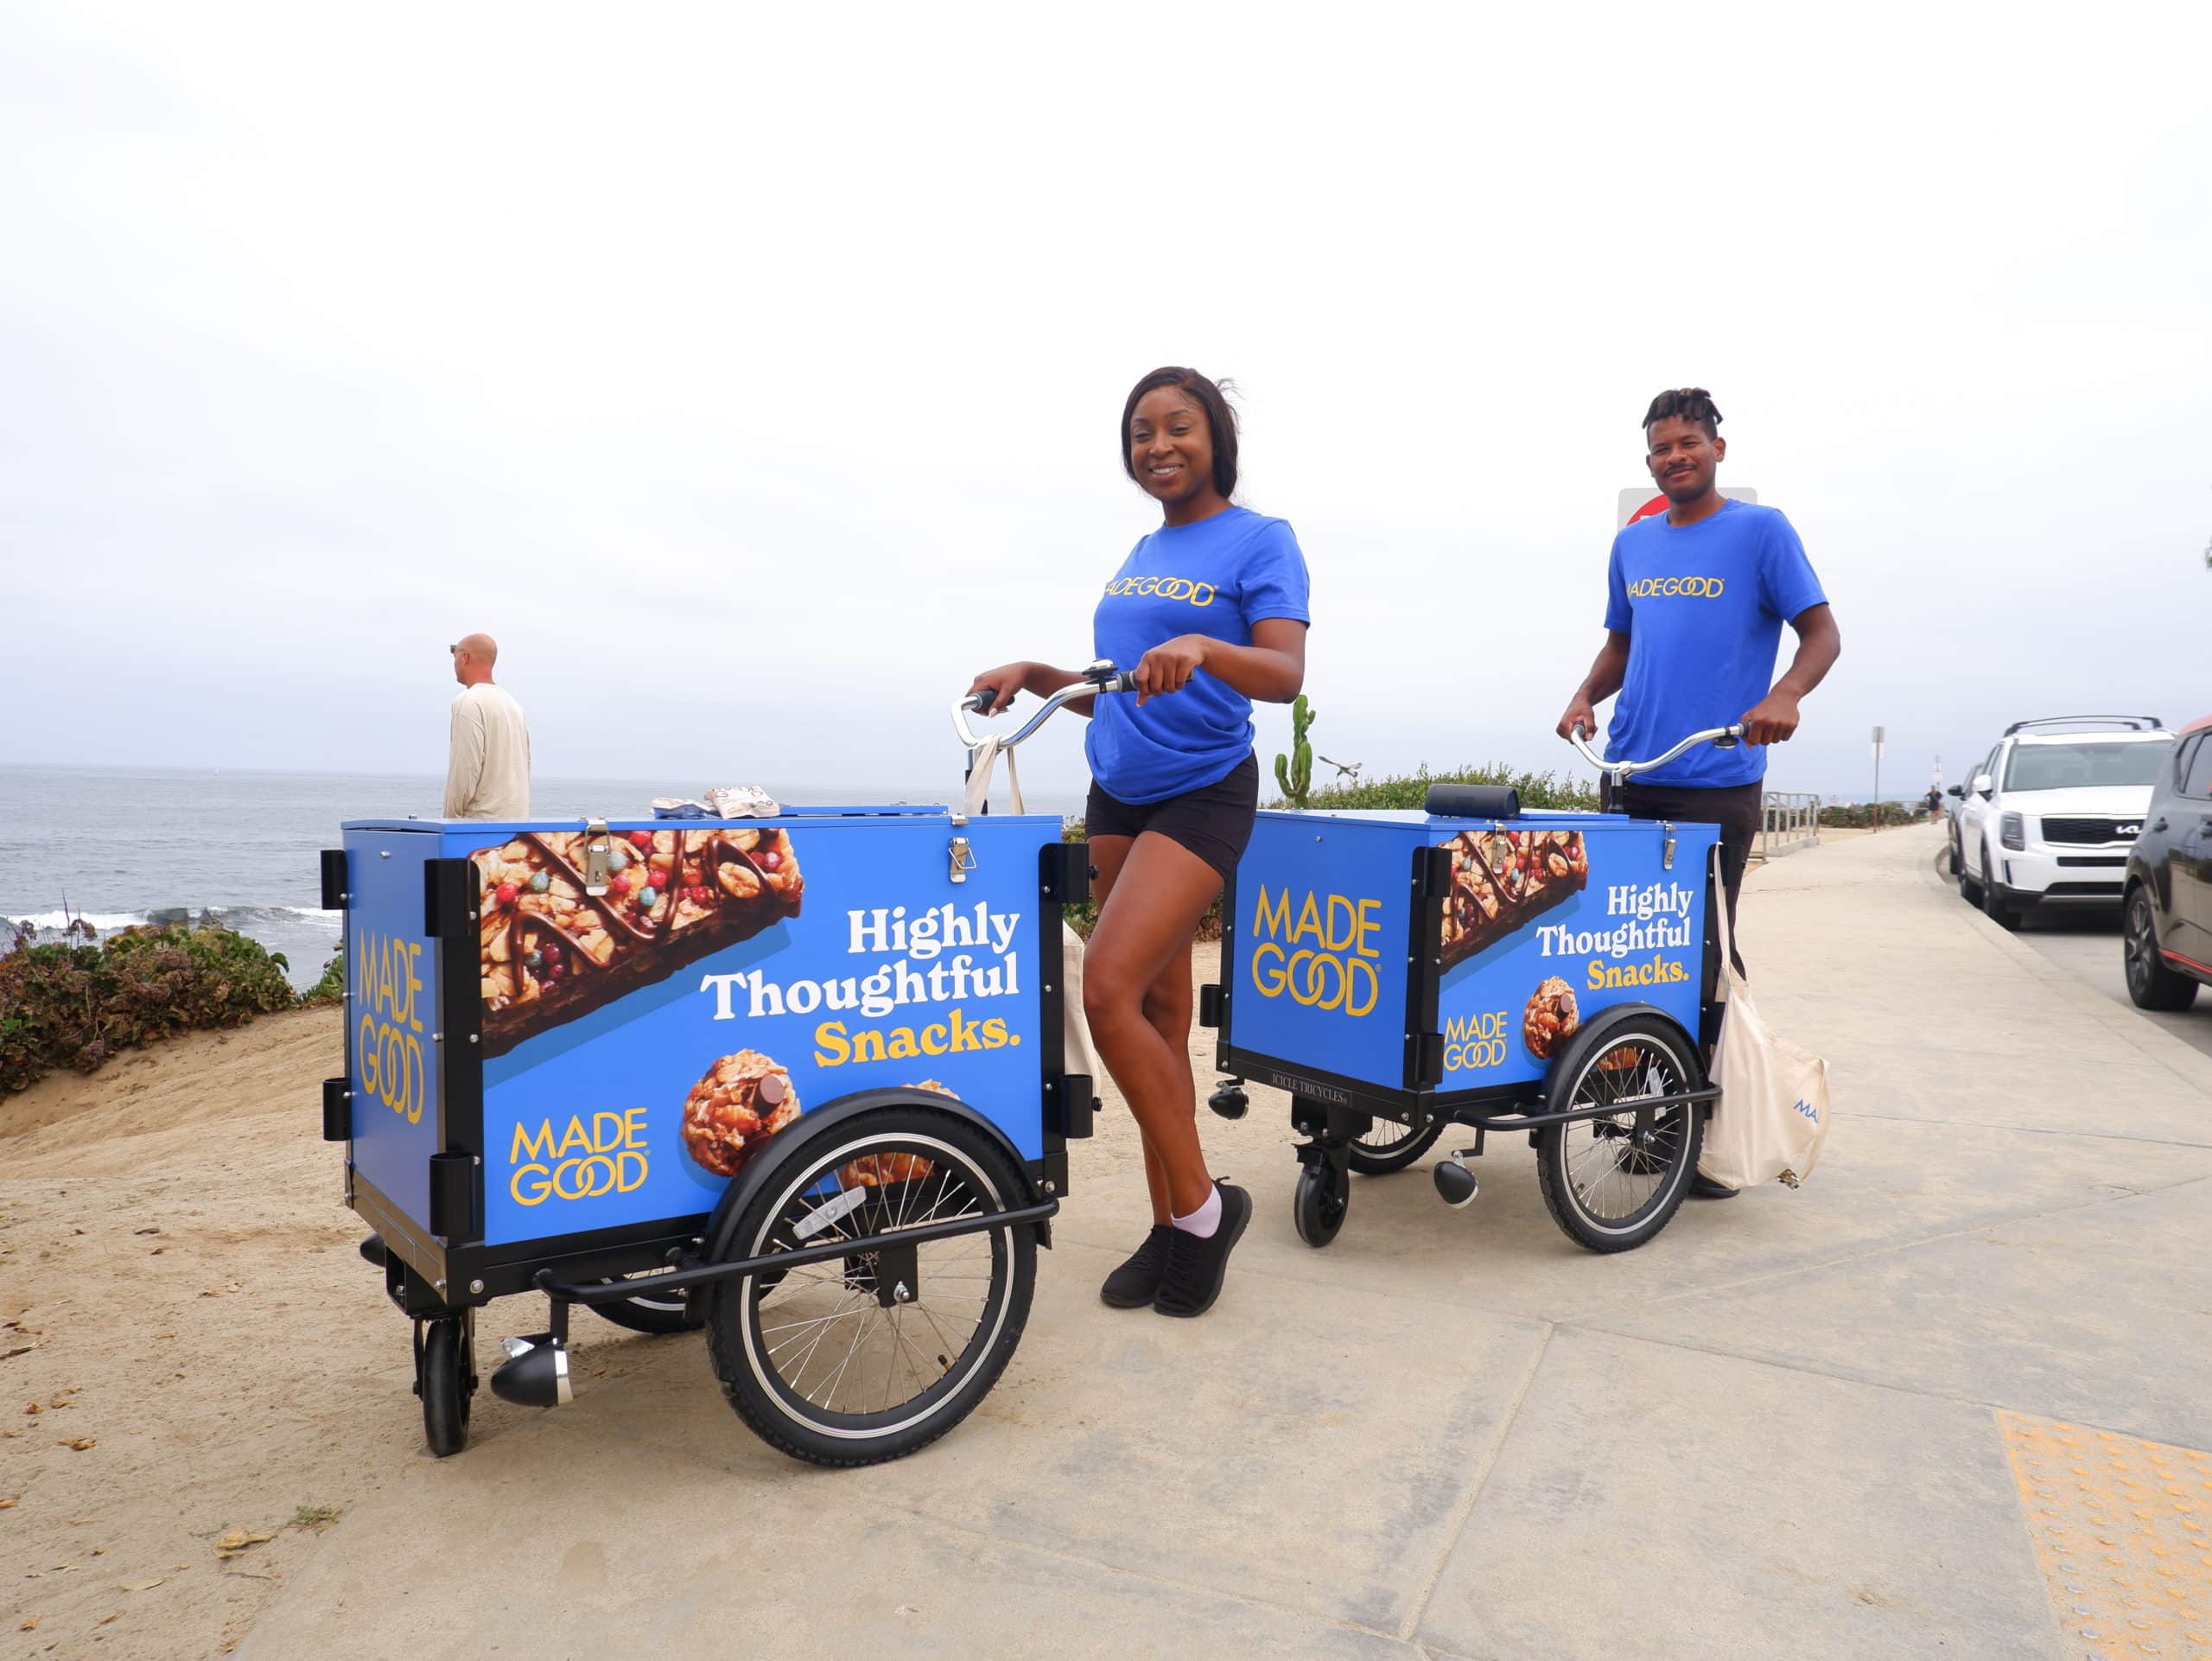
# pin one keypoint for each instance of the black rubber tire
(446, 1385)
(2150, 984)
(1380, 1157)
(1318, 1207)
(1969, 889)
(1993, 896)
(1678, 1137)
(660, 1315)
(971, 1169)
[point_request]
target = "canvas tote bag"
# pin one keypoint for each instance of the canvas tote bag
(1772, 1116)
(1077, 1053)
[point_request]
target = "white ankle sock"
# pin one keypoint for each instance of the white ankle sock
(1205, 1220)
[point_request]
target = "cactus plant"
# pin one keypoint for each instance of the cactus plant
(1294, 772)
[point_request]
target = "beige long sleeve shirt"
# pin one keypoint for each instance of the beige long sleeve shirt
(488, 774)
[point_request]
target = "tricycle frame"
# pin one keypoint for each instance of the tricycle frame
(1419, 1103)
(443, 1270)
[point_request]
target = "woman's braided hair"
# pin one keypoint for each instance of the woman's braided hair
(1690, 403)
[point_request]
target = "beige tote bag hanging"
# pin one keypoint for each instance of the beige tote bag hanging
(1077, 1056)
(1772, 1116)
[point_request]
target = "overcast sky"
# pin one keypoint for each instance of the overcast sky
(749, 372)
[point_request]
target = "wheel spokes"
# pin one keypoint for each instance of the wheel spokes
(844, 1337)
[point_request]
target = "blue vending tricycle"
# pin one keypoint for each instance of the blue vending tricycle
(797, 1080)
(1472, 964)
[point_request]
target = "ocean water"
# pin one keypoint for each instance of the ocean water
(120, 848)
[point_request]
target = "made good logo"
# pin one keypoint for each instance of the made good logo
(1800, 1105)
(1476, 1041)
(603, 1155)
(1323, 955)
(1164, 588)
(388, 1042)
(1687, 587)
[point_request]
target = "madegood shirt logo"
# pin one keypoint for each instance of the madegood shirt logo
(1165, 588)
(1691, 588)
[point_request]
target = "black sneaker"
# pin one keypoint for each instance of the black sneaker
(1195, 1267)
(1132, 1285)
(1704, 1188)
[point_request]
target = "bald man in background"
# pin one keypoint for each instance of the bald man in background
(488, 774)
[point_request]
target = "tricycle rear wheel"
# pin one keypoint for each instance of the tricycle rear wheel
(1608, 1183)
(857, 1360)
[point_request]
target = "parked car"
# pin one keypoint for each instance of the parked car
(2049, 815)
(2166, 938)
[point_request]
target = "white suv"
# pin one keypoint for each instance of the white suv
(2049, 816)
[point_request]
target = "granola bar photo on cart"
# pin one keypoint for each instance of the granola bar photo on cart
(550, 950)
(1502, 880)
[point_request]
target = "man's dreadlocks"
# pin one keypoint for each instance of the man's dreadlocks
(1691, 404)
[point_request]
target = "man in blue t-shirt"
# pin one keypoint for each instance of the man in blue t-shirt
(1697, 599)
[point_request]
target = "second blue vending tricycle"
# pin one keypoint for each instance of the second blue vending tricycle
(1548, 973)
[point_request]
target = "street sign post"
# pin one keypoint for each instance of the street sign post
(1878, 778)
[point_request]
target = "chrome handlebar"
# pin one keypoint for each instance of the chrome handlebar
(1721, 738)
(1101, 677)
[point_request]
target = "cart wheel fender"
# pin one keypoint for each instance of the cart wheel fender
(1596, 1035)
(721, 1227)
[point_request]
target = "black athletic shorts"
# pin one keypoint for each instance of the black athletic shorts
(1214, 821)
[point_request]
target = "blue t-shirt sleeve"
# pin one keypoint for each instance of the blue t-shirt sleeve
(1787, 584)
(1274, 582)
(1616, 611)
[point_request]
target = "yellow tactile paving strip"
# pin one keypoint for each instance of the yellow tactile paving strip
(2123, 1529)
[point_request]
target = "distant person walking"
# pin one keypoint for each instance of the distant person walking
(487, 776)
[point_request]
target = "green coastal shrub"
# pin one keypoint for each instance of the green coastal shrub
(1562, 792)
(331, 988)
(75, 1003)
(1859, 816)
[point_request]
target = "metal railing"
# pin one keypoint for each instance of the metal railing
(1792, 821)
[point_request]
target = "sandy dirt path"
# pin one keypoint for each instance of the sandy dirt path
(181, 1290)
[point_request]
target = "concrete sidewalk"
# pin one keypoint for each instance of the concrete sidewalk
(1897, 1413)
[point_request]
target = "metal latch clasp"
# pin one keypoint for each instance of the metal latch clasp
(1667, 848)
(595, 857)
(964, 859)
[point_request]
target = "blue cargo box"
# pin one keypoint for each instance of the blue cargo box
(538, 1074)
(1406, 963)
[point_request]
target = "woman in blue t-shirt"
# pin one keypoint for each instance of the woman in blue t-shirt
(1212, 609)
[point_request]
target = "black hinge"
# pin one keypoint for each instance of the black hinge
(334, 879)
(450, 888)
(1433, 873)
(1428, 1060)
(1064, 869)
(337, 1110)
(1209, 1002)
(453, 1196)
(1071, 1105)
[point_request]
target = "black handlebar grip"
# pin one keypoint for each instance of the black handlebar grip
(1124, 682)
(981, 698)
(1474, 801)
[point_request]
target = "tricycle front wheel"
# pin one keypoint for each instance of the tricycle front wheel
(1614, 1180)
(862, 1359)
